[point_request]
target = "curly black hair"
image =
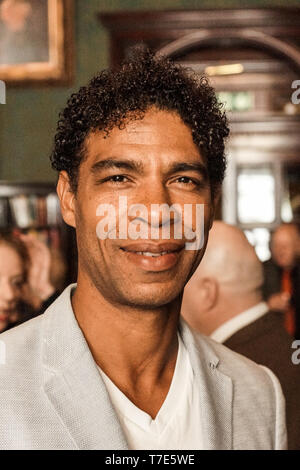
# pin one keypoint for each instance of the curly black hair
(144, 80)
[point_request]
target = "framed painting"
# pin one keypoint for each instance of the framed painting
(36, 41)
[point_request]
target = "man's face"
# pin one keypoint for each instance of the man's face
(285, 246)
(150, 161)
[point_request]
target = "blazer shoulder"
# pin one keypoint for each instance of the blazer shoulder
(21, 346)
(254, 383)
(239, 368)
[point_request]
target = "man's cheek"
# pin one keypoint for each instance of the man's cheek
(194, 226)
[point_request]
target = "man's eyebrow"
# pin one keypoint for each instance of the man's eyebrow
(192, 166)
(133, 165)
(117, 163)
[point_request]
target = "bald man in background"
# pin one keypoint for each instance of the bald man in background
(281, 288)
(223, 299)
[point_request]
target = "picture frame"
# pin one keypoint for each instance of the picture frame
(36, 41)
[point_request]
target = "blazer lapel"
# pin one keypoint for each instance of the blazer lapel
(73, 384)
(215, 390)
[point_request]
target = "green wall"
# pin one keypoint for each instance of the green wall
(28, 120)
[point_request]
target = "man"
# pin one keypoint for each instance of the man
(223, 299)
(281, 287)
(109, 366)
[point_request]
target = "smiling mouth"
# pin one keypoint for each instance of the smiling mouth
(150, 253)
(153, 249)
(152, 256)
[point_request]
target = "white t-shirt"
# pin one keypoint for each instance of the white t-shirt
(177, 424)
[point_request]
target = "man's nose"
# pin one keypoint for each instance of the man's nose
(157, 200)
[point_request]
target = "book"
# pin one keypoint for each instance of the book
(3, 212)
(21, 212)
(53, 209)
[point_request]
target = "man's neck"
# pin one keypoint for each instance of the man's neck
(229, 308)
(135, 347)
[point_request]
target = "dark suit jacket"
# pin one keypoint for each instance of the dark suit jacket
(272, 285)
(266, 342)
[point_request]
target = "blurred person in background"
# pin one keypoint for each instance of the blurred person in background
(46, 273)
(281, 288)
(223, 300)
(14, 262)
(26, 288)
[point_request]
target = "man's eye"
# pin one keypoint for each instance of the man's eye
(187, 180)
(118, 179)
(113, 179)
(184, 179)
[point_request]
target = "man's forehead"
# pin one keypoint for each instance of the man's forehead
(158, 131)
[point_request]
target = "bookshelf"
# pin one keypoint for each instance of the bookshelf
(34, 208)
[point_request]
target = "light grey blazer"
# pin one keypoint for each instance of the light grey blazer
(52, 395)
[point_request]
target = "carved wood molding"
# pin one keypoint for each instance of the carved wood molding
(274, 30)
(241, 36)
(202, 18)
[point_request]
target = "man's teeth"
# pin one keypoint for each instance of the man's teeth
(148, 253)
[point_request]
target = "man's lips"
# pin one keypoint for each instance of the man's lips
(153, 248)
(154, 257)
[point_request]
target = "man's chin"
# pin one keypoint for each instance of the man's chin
(151, 300)
(148, 305)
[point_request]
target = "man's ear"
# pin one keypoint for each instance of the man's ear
(67, 198)
(210, 290)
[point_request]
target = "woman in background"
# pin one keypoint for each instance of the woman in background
(25, 279)
(14, 263)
